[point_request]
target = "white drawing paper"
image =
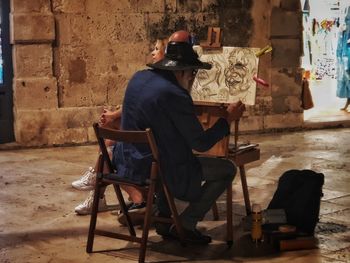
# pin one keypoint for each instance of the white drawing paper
(231, 77)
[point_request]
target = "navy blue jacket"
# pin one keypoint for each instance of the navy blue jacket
(154, 99)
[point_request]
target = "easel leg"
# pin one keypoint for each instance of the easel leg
(215, 212)
(229, 215)
(245, 190)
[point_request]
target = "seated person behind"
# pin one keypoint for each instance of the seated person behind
(87, 181)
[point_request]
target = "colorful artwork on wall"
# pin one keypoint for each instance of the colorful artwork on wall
(231, 76)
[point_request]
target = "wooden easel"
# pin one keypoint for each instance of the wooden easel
(214, 38)
(208, 113)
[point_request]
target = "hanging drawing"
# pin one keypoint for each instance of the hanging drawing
(231, 77)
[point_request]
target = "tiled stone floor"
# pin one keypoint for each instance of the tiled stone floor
(38, 224)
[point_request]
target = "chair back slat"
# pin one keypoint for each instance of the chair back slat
(122, 136)
(152, 144)
(145, 137)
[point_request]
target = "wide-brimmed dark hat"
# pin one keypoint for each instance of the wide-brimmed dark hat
(180, 56)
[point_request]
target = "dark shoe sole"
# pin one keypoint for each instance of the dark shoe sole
(170, 233)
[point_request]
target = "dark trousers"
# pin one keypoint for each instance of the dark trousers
(218, 173)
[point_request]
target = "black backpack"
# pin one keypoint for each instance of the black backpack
(299, 193)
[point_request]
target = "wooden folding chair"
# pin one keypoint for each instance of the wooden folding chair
(104, 179)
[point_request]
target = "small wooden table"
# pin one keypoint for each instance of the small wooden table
(208, 114)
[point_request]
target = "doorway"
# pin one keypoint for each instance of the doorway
(322, 22)
(6, 75)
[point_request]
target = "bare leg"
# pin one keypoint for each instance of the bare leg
(346, 104)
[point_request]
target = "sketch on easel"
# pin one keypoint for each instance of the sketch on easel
(231, 77)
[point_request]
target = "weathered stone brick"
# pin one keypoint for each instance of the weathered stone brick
(77, 71)
(111, 58)
(261, 14)
(112, 28)
(291, 5)
(72, 29)
(110, 6)
(59, 136)
(210, 5)
(68, 6)
(237, 25)
(99, 89)
(91, 134)
(263, 106)
(276, 3)
(251, 123)
(35, 93)
(285, 23)
(55, 126)
(152, 6)
(279, 105)
(189, 6)
(82, 116)
(294, 103)
(51, 137)
(170, 6)
(128, 53)
(30, 127)
(286, 53)
(279, 121)
(63, 57)
(284, 82)
(29, 6)
(32, 61)
(24, 28)
(161, 25)
(116, 89)
(76, 95)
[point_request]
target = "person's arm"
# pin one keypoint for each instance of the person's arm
(181, 111)
(235, 111)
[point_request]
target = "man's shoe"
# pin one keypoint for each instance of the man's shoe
(136, 213)
(191, 236)
(195, 237)
(163, 229)
(87, 181)
(85, 208)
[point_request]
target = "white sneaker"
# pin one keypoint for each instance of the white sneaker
(87, 181)
(85, 208)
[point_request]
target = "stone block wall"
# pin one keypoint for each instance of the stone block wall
(286, 75)
(74, 57)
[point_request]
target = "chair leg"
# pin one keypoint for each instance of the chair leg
(176, 217)
(215, 210)
(245, 190)
(122, 204)
(229, 238)
(147, 222)
(93, 217)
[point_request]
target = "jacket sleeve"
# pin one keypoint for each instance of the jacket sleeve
(181, 112)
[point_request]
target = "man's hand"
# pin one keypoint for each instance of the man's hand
(110, 118)
(235, 111)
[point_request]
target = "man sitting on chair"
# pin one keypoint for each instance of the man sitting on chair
(159, 98)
